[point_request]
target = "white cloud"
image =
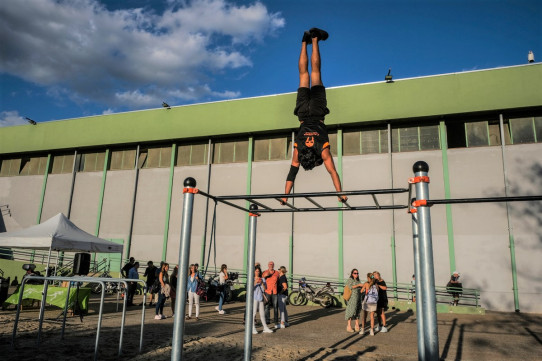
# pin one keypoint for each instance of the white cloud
(131, 57)
(10, 118)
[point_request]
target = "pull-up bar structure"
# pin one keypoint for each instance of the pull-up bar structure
(418, 207)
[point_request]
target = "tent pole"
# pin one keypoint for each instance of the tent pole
(44, 295)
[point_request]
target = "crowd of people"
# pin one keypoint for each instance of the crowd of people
(370, 297)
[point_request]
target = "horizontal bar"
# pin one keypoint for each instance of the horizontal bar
(431, 202)
(304, 195)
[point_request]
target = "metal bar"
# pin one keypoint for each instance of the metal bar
(259, 204)
(304, 195)
(43, 297)
(375, 200)
(313, 202)
(418, 287)
(291, 206)
(142, 320)
(168, 202)
(249, 318)
(184, 252)
(331, 209)
(511, 241)
(431, 202)
(427, 272)
(65, 311)
(123, 318)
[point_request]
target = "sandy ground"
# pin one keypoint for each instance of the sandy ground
(314, 334)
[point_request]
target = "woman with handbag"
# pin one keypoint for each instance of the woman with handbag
(193, 297)
(283, 296)
(353, 306)
(164, 292)
(259, 298)
(222, 288)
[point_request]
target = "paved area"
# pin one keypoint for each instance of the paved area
(315, 334)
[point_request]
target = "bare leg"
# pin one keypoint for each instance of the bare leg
(304, 67)
(316, 76)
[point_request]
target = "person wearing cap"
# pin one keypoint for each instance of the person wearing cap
(311, 146)
(454, 287)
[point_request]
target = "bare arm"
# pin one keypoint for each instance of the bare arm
(330, 167)
(290, 184)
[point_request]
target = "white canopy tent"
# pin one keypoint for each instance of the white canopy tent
(58, 234)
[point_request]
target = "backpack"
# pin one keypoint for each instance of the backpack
(372, 294)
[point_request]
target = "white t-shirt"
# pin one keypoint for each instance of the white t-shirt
(222, 279)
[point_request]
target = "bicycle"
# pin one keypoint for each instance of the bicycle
(110, 287)
(322, 296)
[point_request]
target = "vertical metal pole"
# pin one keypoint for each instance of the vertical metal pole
(427, 273)
(510, 230)
(142, 320)
(102, 298)
(17, 314)
(44, 296)
(123, 315)
(249, 318)
(184, 252)
(66, 310)
(419, 290)
(392, 231)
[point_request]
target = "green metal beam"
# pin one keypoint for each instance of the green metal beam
(247, 204)
(42, 197)
(447, 194)
(168, 202)
(340, 229)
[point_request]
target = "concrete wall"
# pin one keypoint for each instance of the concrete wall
(480, 231)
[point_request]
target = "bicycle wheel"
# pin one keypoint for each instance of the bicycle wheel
(326, 300)
(96, 288)
(296, 298)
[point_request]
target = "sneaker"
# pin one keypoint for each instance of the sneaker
(307, 38)
(319, 33)
(383, 329)
(277, 326)
(157, 317)
(376, 328)
(254, 332)
(267, 330)
(221, 312)
(362, 332)
(163, 317)
(372, 333)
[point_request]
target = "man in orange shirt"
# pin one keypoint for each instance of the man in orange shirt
(271, 277)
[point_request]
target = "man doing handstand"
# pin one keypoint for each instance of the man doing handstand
(311, 147)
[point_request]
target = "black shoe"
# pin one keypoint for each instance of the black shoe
(307, 38)
(319, 33)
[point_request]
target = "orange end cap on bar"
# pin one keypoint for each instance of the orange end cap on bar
(419, 179)
(190, 190)
(254, 214)
(418, 203)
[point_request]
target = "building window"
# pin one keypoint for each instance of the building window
(415, 138)
(33, 165)
(479, 133)
(192, 154)
(157, 157)
(10, 167)
(366, 141)
(276, 148)
(62, 163)
(90, 162)
(522, 130)
(231, 151)
(123, 159)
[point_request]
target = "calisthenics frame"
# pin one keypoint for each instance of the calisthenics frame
(418, 207)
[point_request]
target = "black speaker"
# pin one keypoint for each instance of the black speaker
(81, 264)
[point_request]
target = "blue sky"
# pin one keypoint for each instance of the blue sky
(73, 58)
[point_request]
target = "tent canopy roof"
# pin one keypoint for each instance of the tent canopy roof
(58, 234)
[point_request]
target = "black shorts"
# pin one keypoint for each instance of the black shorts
(311, 104)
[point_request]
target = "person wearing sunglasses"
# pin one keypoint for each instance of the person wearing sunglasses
(353, 306)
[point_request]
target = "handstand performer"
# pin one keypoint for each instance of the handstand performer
(311, 147)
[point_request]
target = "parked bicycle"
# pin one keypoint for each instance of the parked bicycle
(110, 287)
(322, 296)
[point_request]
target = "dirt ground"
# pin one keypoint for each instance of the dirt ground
(314, 334)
